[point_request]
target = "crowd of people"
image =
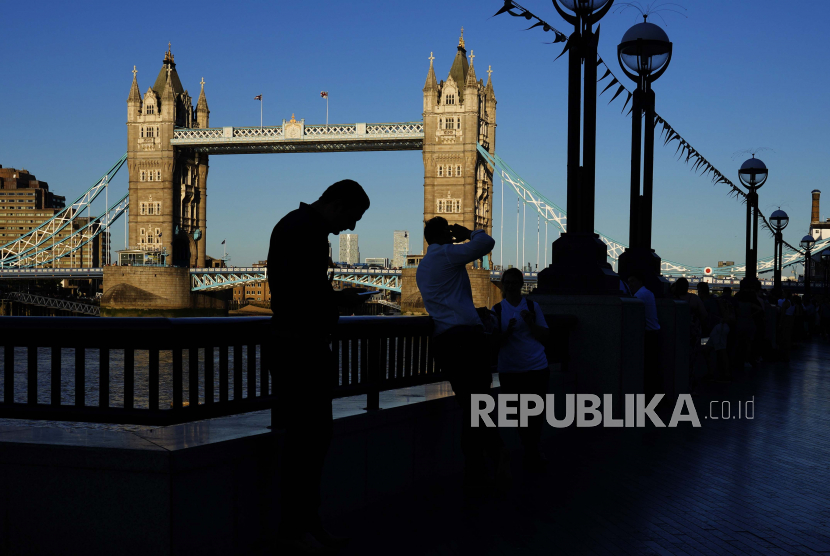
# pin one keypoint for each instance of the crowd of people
(469, 344)
(749, 326)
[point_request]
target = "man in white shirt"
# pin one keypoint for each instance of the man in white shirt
(651, 379)
(458, 339)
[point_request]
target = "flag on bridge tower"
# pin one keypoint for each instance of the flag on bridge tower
(259, 98)
(325, 95)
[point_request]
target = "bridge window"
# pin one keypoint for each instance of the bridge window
(151, 109)
(158, 175)
(158, 236)
(450, 99)
(142, 235)
(142, 131)
(440, 171)
(158, 208)
(150, 175)
(458, 171)
(149, 132)
(448, 205)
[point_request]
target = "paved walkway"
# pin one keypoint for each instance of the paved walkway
(737, 486)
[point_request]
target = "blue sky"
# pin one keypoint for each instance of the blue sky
(744, 74)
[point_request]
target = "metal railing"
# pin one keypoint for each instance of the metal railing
(158, 371)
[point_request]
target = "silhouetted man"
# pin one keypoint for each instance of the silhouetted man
(458, 336)
(302, 366)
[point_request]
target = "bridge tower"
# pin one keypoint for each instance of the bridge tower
(458, 114)
(168, 186)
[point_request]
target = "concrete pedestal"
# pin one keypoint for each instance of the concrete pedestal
(606, 347)
(144, 291)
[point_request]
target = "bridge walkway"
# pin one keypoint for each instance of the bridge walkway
(731, 487)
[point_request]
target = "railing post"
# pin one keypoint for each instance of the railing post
(371, 363)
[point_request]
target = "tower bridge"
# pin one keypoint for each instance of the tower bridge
(169, 143)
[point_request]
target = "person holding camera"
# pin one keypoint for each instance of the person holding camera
(458, 338)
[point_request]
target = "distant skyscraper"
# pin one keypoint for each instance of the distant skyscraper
(349, 252)
(400, 248)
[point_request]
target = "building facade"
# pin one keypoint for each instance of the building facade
(400, 248)
(349, 251)
(819, 230)
(459, 113)
(380, 262)
(168, 186)
(26, 203)
(253, 292)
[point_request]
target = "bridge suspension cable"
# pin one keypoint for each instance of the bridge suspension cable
(556, 216)
(28, 250)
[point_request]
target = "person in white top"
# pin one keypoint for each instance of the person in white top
(458, 340)
(523, 366)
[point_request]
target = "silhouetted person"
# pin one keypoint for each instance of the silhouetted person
(523, 366)
(303, 369)
(458, 337)
(699, 316)
(652, 379)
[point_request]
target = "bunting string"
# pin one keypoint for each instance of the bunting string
(516, 10)
(699, 164)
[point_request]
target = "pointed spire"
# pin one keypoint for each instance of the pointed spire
(168, 72)
(202, 103)
(135, 94)
(202, 111)
(431, 83)
(489, 87)
(461, 40)
(471, 73)
(168, 86)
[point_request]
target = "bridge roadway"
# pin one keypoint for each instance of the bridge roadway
(207, 279)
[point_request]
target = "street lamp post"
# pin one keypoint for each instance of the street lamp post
(579, 259)
(644, 55)
(807, 244)
(753, 174)
(778, 221)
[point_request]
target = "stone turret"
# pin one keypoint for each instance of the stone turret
(134, 100)
(431, 89)
(202, 111)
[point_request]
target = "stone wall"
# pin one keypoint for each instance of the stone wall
(157, 291)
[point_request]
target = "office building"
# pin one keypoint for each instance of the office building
(400, 248)
(26, 203)
(349, 252)
(378, 262)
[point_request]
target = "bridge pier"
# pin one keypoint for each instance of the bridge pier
(157, 291)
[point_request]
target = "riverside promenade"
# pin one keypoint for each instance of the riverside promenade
(392, 481)
(731, 487)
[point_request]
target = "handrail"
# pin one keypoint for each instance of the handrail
(160, 371)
